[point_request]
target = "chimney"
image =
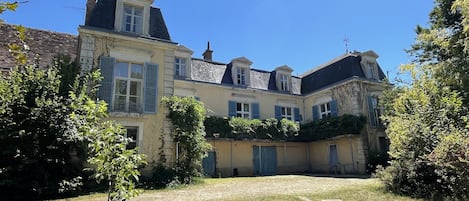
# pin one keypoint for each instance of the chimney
(208, 53)
(90, 4)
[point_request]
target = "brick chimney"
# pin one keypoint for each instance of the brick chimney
(208, 53)
(90, 4)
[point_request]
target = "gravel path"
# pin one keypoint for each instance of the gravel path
(251, 187)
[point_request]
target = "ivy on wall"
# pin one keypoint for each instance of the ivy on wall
(273, 129)
(187, 116)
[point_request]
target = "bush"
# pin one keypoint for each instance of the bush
(161, 177)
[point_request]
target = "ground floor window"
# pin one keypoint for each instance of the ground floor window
(132, 133)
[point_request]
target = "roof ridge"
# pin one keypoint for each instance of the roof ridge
(38, 29)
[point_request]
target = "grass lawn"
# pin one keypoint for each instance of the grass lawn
(285, 187)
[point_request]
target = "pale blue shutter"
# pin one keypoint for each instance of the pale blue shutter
(255, 111)
(150, 91)
(334, 109)
(371, 112)
(106, 66)
(231, 108)
(278, 112)
(296, 113)
(316, 113)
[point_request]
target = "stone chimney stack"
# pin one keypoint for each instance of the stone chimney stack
(208, 53)
(90, 4)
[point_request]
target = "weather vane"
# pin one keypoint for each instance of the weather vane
(346, 41)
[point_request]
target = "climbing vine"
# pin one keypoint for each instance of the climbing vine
(187, 116)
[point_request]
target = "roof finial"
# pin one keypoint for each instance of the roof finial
(346, 41)
(208, 45)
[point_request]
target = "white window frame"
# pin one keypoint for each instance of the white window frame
(139, 126)
(180, 66)
(284, 84)
(134, 26)
(284, 112)
(325, 110)
(241, 76)
(129, 79)
(242, 110)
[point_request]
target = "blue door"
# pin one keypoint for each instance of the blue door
(333, 158)
(264, 160)
(209, 164)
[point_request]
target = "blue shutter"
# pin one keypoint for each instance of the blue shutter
(231, 108)
(106, 66)
(150, 90)
(255, 111)
(278, 112)
(196, 98)
(316, 113)
(296, 113)
(334, 110)
(371, 112)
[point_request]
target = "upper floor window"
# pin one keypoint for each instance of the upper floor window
(286, 113)
(242, 110)
(241, 76)
(133, 19)
(374, 112)
(128, 79)
(180, 67)
(370, 70)
(325, 110)
(284, 82)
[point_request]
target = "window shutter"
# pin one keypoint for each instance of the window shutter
(231, 108)
(196, 98)
(278, 112)
(334, 110)
(255, 111)
(106, 66)
(371, 112)
(296, 113)
(150, 91)
(315, 113)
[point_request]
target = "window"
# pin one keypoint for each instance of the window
(370, 70)
(241, 76)
(383, 145)
(132, 133)
(128, 87)
(180, 67)
(242, 110)
(325, 110)
(133, 19)
(284, 82)
(375, 112)
(286, 113)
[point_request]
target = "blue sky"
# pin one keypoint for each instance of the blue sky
(299, 33)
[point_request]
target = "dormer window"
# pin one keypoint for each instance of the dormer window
(284, 86)
(241, 76)
(370, 70)
(369, 65)
(133, 19)
(180, 67)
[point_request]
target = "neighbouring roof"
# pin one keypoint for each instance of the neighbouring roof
(341, 68)
(220, 73)
(44, 44)
(103, 16)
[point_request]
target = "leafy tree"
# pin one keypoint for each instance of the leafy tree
(187, 116)
(428, 121)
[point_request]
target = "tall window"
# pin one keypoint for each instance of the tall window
(325, 110)
(128, 87)
(370, 70)
(180, 67)
(284, 82)
(133, 19)
(132, 133)
(287, 113)
(242, 110)
(241, 76)
(376, 112)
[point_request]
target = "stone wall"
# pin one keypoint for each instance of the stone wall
(44, 44)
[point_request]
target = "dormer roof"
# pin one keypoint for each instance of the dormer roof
(284, 68)
(243, 60)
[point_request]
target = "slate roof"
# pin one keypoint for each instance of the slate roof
(337, 70)
(103, 16)
(342, 68)
(44, 44)
(220, 73)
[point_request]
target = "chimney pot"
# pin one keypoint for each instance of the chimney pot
(208, 53)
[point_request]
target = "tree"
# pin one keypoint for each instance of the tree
(428, 121)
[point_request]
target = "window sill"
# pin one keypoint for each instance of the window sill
(126, 114)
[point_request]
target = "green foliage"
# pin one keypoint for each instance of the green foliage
(161, 177)
(6, 5)
(187, 116)
(331, 127)
(68, 70)
(428, 126)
